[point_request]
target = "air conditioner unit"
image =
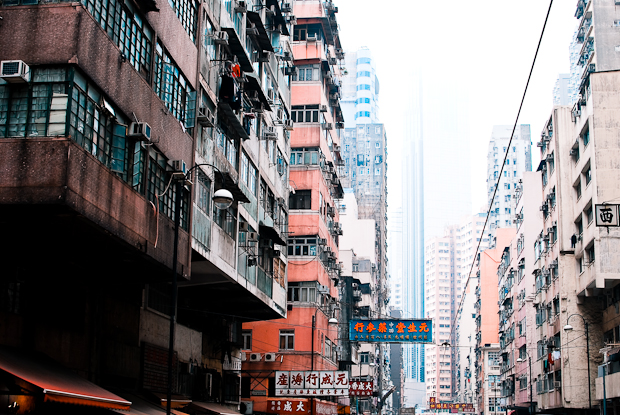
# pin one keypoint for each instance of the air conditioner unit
(290, 70)
(265, 243)
(288, 125)
(140, 131)
(241, 7)
(286, 56)
(286, 8)
(322, 241)
(557, 384)
(269, 133)
(323, 108)
(243, 356)
(311, 39)
(331, 211)
(281, 168)
(251, 261)
(179, 166)
(270, 357)
(255, 357)
(221, 38)
(244, 227)
(327, 249)
(251, 237)
(322, 289)
(333, 61)
(14, 71)
(327, 125)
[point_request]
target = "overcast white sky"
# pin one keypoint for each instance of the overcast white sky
(488, 45)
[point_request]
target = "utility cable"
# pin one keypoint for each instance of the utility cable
(499, 178)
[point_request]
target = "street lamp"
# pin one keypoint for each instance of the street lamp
(529, 358)
(568, 328)
(222, 199)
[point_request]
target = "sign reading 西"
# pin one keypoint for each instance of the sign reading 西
(606, 215)
(391, 331)
(312, 383)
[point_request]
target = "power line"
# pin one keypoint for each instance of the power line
(499, 178)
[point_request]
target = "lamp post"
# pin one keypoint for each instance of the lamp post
(332, 321)
(529, 358)
(222, 199)
(568, 328)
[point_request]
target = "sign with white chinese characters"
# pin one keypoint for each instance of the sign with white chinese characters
(303, 406)
(360, 388)
(391, 331)
(312, 383)
(606, 215)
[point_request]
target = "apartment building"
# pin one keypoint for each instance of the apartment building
(487, 337)
(518, 160)
(308, 338)
(119, 123)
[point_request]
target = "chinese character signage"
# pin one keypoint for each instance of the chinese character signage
(606, 215)
(296, 406)
(312, 383)
(288, 406)
(360, 388)
(391, 331)
(452, 407)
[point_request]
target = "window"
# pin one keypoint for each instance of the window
(302, 246)
(226, 219)
(579, 225)
(364, 358)
(305, 156)
(307, 113)
(287, 339)
(589, 214)
(577, 188)
(363, 61)
(301, 199)
(203, 193)
(158, 179)
(173, 88)
(247, 339)
(586, 138)
(588, 175)
(304, 292)
(590, 252)
(127, 29)
(306, 73)
(186, 12)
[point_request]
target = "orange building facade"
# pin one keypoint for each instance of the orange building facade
(307, 339)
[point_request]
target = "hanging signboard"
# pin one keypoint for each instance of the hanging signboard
(361, 388)
(452, 407)
(606, 215)
(312, 383)
(391, 331)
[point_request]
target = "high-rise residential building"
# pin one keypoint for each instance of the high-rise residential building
(562, 90)
(307, 339)
(567, 85)
(518, 160)
(487, 364)
(360, 89)
(395, 244)
(125, 128)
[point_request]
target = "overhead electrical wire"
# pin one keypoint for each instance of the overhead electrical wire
(499, 178)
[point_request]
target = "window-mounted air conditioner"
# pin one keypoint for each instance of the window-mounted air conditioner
(323, 108)
(241, 7)
(140, 131)
(244, 227)
(252, 237)
(288, 125)
(205, 117)
(269, 133)
(14, 71)
(311, 38)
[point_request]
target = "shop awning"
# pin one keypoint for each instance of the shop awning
(140, 406)
(212, 408)
(57, 383)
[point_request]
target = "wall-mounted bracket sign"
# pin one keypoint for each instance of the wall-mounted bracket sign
(606, 215)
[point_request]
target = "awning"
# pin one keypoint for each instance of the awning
(58, 384)
(140, 406)
(542, 165)
(262, 37)
(279, 17)
(253, 84)
(231, 185)
(237, 49)
(233, 121)
(176, 401)
(211, 408)
(270, 232)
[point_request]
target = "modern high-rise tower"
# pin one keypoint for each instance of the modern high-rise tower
(360, 89)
